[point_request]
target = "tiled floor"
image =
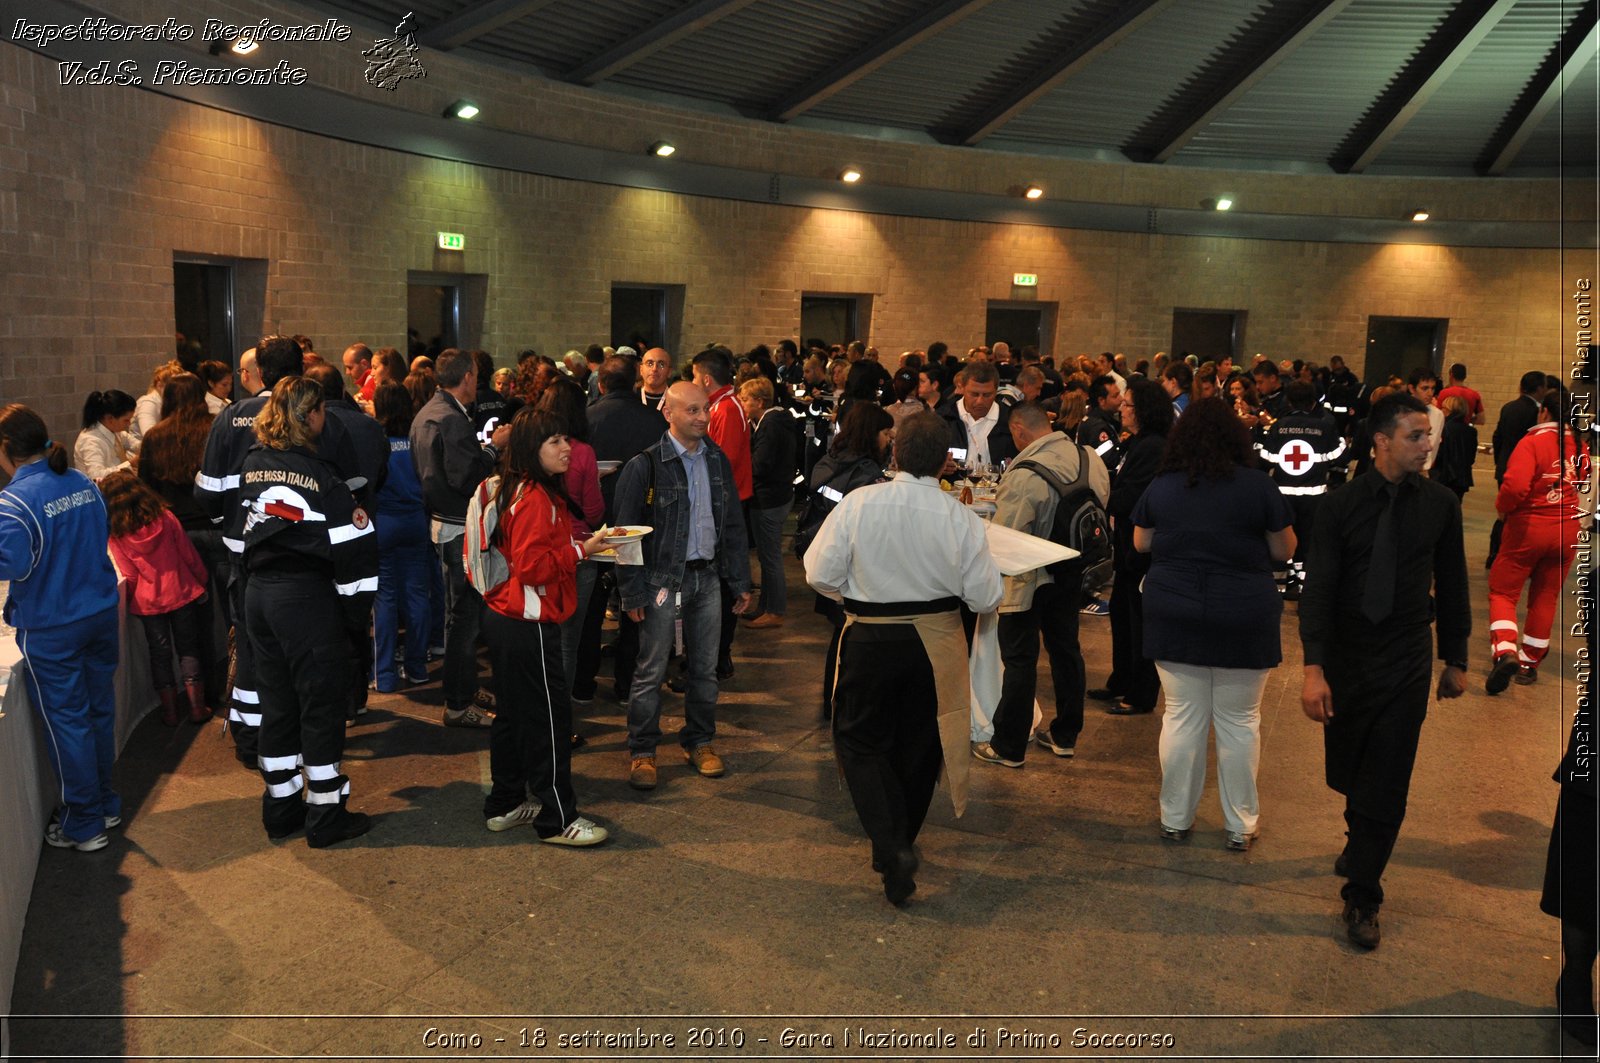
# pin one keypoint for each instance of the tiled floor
(745, 905)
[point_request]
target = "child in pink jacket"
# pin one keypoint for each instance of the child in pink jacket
(166, 586)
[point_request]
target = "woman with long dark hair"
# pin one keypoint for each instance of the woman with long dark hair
(1213, 526)
(566, 400)
(530, 743)
(105, 444)
(859, 455)
(1133, 684)
(63, 603)
(1541, 503)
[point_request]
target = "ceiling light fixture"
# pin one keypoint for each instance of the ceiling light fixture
(850, 175)
(1034, 192)
(662, 149)
(1224, 203)
(244, 47)
(1419, 215)
(462, 109)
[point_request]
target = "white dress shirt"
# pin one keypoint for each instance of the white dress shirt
(978, 431)
(903, 541)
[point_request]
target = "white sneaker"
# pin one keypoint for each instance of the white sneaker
(579, 832)
(520, 816)
(54, 838)
(112, 822)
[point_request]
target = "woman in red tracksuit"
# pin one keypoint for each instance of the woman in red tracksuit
(1539, 503)
(530, 744)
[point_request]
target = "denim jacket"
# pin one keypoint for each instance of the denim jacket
(667, 548)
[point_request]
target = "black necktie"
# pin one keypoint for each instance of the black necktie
(1378, 599)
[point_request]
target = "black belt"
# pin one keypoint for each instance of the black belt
(701, 563)
(938, 605)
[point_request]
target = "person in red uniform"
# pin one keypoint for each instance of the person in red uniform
(1539, 503)
(729, 430)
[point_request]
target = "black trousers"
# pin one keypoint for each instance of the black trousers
(302, 665)
(1133, 675)
(1305, 518)
(1380, 702)
(530, 744)
(1054, 614)
(244, 702)
(886, 731)
(175, 632)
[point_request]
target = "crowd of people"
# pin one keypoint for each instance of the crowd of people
(348, 525)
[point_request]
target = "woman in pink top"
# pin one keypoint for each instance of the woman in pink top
(566, 400)
(166, 588)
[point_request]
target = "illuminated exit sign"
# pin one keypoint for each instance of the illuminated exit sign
(452, 242)
(1021, 280)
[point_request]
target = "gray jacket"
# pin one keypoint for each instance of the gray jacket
(450, 461)
(1027, 502)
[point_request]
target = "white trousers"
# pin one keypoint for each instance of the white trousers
(1198, 700)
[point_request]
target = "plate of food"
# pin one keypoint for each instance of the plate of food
(608, 466)
(621, 536)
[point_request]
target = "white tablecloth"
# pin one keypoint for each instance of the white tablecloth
(1014, 553)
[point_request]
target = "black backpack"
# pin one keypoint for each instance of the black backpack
(1080, 523)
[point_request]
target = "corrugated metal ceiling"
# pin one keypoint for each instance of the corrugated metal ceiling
(1132, 98)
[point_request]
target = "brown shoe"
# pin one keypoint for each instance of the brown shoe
(766, 620)
(704, 760)
(642, 773)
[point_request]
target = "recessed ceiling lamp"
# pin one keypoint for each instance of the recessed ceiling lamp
(1224, 203)
(850, 175)
(241, 46)
(1419, 215)
(662, 149)
(1034, 192)
(462, 109)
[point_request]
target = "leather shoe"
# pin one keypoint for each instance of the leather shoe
(642, 773)
(1122, 708)
(898, 884)
(1361, 926)
(1102, 694)
(766, 620)
(725, 668)
(704, 760)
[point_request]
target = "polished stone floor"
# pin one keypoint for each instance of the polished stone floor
(1049, 921)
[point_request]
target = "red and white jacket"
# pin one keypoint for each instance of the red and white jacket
(729, 429)
(1535, 486)
(536, 539)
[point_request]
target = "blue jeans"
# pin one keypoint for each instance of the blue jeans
(403, 576)
(463, 613)
(767, 526)
(702, 627)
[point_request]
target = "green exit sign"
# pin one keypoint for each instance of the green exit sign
(1025, 280)
(452, 242)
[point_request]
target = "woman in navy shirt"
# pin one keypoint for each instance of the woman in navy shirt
(1211, 609)
(63, 603)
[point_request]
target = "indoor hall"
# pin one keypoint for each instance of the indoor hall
(1052, 905)
(1402, 183)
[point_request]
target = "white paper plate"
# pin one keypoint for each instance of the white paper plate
(635, 532)
(608, 466)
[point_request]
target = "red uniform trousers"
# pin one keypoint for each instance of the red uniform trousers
(1538, 554)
